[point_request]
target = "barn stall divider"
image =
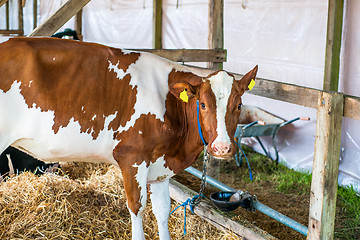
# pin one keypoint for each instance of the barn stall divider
(331, 106)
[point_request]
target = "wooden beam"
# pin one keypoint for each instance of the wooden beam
(207, 211)
(291, 93)
(188, 55)
(78, 24)
(216, 29)
(333, 45)
(7, 10)
(20, 18)
(215, 41)
(2, 2)
(285, 92)
(352, 107)
(34, 13)
(18, 32)
(325, 166)
(59, 18)
(157, 24)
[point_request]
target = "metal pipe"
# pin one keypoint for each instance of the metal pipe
(255, 204)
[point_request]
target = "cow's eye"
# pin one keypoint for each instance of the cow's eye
(239, 106)
(203, 106)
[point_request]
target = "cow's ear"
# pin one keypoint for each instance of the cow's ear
(182, 91)
(247, 82)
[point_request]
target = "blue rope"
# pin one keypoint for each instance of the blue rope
(251, 177)
(198, 122)
(184, 204)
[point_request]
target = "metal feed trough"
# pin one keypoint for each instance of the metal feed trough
(255, 122)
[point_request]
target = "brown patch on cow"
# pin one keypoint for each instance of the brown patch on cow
(70, 78)
(152, 144)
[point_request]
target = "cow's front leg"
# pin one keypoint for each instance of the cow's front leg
(160, 199)
(135, 179)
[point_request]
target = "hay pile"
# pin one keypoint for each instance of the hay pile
(85, 201)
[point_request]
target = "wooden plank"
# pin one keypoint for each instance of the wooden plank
(188, 55)
(207, 211)
(285, 92)
(2, 2)
(333, 45)
(325, 166)
(352, 107)
(157, 24)
(20, 18)
(18, 32)
(59, 18)
(216, 29)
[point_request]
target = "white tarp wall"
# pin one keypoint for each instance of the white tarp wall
(285, 38)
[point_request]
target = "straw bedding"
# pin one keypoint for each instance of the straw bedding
(83, 201)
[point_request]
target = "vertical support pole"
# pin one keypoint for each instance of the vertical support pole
(215, 41)
(325, 166)
(333, 45)
(35, 13)
(78, 24)
(7, 15)
(216, 29)
(157, 24)
(20, 18)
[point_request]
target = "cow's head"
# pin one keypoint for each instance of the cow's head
(219, 96)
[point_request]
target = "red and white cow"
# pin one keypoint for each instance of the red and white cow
(62, 100)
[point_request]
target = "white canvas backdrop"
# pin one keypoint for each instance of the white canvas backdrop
(285, 38)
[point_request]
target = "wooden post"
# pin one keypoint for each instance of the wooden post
(333, 45)
(78, 24)
(34, 14)
(157, 24)
(20, 18)
(7, 16)
(59, 18)
(326, 166)
(216, 29)
(215, 41)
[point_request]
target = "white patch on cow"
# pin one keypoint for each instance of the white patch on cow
(160, 199)
(119, 72)
(150, 75)
(140, 132)
(30, 83)
(93, 118)
(53, 58)
(158, 172)
(141, 178)
(32, 131)
(82, 108)
(221, 85)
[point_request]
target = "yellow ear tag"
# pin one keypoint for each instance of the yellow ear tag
(184, 96)
(252, 84)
